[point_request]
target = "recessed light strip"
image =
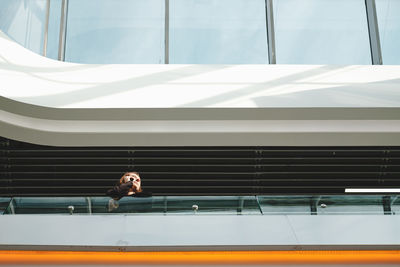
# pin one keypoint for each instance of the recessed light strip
(372, 190)
(200, 258)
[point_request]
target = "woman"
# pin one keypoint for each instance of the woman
(128, 185)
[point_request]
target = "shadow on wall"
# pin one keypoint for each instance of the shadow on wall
(287, 91)
(261, 87)
(359, 95)
(111, 88)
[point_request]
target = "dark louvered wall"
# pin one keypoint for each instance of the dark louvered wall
(33, 170)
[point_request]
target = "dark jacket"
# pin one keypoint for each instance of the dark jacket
(120, 191)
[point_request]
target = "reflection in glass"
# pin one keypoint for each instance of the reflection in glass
(321, 32)
(54, 29)
(285, 204)
(4, 203)
(208, 205)
(47, 205)
(174, 205)
(23, 21)
(218, 32)
(235, 205)
(211, 205)
(350, 204)
(388, 12)
(395, 205)
(171, 205)
(115, 31)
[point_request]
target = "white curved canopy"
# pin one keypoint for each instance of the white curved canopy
(57, 103)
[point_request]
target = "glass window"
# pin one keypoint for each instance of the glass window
(54, 29)
(388, 12)
(321, 32)
(23, 21)
(115, 31)
(218, 32)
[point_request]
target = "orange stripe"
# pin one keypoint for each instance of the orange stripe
(201, 257)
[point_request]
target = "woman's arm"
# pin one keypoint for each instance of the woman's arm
(119, 191)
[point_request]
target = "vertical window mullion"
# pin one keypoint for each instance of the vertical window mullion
(373, 31)
(63, 30)
(270, 31)
(166, 56)
(46, 28)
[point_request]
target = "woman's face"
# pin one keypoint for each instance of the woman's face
(135, 178)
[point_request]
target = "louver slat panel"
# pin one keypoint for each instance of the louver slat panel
(33, 170)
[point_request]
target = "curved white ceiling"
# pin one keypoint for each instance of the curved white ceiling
(195, 104)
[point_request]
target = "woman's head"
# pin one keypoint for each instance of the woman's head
(135, 178)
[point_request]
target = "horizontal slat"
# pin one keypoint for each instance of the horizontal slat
(32, 170)
(197, 152)
(209, 183)
(199, 175)
(206, 168)
(198, 161)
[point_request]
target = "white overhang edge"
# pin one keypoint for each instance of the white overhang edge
(57, 103)
(198, 232)
(200, 132)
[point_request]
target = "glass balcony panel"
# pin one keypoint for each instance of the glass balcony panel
(4, 203)
(24, 21)
(115, 31)
(395, 205)
(218, 32)
(273, 205)
(47, 205)
(350, 205)
(389, 30)
(208, 205)
(150, 205)
(321, 32)
(213, 205)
